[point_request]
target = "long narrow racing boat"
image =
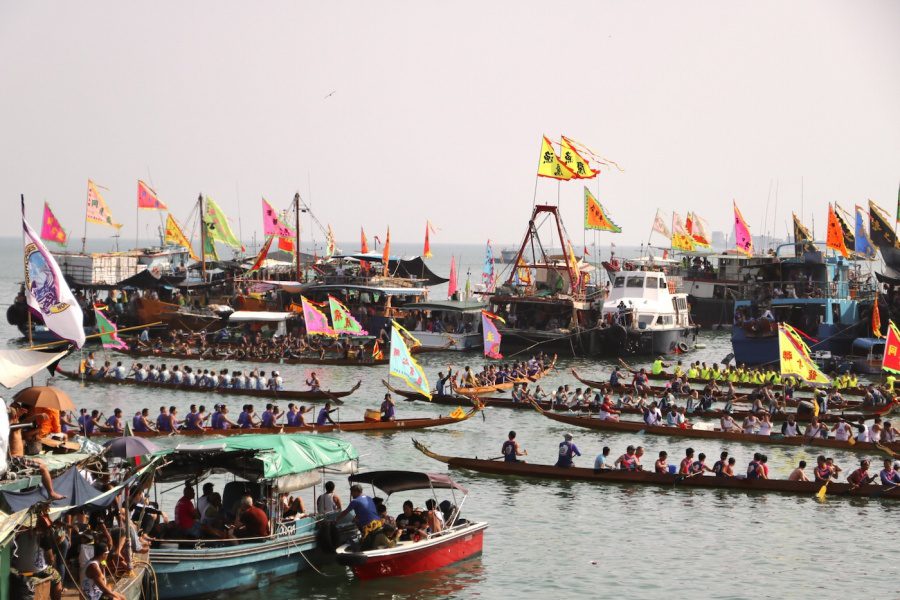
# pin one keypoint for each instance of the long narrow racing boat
(522, 469)
(506, 385)
(381, 426)
(308, 396)
(366, 361)
(715, 434)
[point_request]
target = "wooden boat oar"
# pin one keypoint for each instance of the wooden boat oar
(884, 490)
(680, 478)
(820, 495)
(886, 450)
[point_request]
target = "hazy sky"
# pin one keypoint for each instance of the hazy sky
(438, 109)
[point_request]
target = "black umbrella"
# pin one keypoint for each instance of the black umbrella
(130, 446)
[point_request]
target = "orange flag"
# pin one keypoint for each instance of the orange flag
(876, 320)
(426, 252)
(835, 239)
(386, 254)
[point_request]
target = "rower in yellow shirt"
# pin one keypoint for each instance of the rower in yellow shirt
(658, 366)
(889, 382)
(678, 370)
(693, 372)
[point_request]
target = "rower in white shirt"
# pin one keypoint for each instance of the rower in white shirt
(750, 424)
(238, 381)
(262, 383)
(164, 375)
(140, 373)
(252, 380)
(842, 431)
(278, 381)
(119, 372)
(728, 424)
(189, 377)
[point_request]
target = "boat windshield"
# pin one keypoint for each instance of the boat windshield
(620, 282)
(635, 281)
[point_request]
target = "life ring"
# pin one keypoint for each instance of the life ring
(682, 347)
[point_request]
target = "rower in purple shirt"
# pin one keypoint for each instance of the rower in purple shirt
(324, 417)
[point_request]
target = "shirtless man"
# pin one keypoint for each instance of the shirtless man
(20, 461)
(798, 474)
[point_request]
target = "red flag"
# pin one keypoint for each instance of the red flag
(261, 257)
(876, 320)
(147, 198)
(891, 360)
(451, 285)
(426, 252)
(386, 254)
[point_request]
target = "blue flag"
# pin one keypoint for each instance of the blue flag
(404, 366)
(863, 245)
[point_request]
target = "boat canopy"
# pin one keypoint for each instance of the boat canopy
(867, 344)
(288, 461)
(401, 481)
(387, 291)
(458, 306)
(242, 316)
(17, 365)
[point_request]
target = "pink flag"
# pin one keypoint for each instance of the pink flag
(742, 238)
(272, 225)
(51, 230)
(316, 321)
(451, 286)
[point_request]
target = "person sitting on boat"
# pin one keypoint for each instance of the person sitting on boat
(719, 465)
(152, 374)
(790, 427)
(140, 373)
(271, 416)
(601, 463)
(728, 468)
(114, 423)
(187, 518)
(577, 400)
(641, 382)
(434, 518)
(516, 394)
(294, 415)
(815, 430)
(174, 423)
(94, 585)
(313, 382)
(164, 375)
(193, 420)
(276, 383)
(387, 409)
(660, 466)
(162, 420)
(889, 433)
(628, 461)
(224, 422)
(607, 411)
(682, 421)
(224, 379)
(190, 378)
(510, 449)
(291, 507)
(262, 382)
(728, 424)
(755, 469)
(889, 475)
(684, 468)
(799, 474)
(750, 423)
(329, 502)
(861, 475)
(251, 521)
(247, 418)
(822, 472)
(658, 366)
(698, 467)
(324, 416)
(567, 451)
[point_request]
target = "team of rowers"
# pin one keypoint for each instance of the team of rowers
(495, 374)
(198, 419)
(695, 465)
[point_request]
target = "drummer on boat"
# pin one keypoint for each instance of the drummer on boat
(387, 409)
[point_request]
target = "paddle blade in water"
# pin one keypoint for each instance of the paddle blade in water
(821, 494)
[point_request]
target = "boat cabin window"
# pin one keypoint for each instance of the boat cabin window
(666, 320)
(635, 281)
(620, 282)
(660, 283)
(646, 320)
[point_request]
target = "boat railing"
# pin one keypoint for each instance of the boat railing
(764, 291)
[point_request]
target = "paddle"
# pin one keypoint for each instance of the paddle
(680, 478)
(884, 490)
(886, 450)
(820, 495)
(332, 397)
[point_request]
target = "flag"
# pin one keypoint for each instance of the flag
(801, 233)
(341, 319)
(876, 319)
(549, 164)
(219, 229)
(659, 226)
(574, 161)
(523, 273)
(47, 292)
(843, 218)
(864, 245)
(426, 252)
(330, 247)
(174, 235)
(108, 336)
(457, 413)
(272, 224)
(377, 353)
(451, 285)
(699, 231)
(286, 244)
(404, 366)
(898, 203)
(209, 243)
(386, 254)
(363, 243)
(487, 271)
(491, 334)
(681, 239)
(794, 356)
(51, 230)
(742, 238)
(835, 239)
(595, 216)
(97, 210)
(891, 360)
(468, 287)
(880, 231)
(147, 198)
(316, 322)
(261, 257)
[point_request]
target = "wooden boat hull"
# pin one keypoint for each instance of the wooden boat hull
(521, 469)
(267, 394)
(310, 360)
(715, 434)
(379, 426)
(416, 557)
(699, 381)
(508, 385)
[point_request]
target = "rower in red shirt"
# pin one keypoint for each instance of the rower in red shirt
(861, 475)
(685, 467)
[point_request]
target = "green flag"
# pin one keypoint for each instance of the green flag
(342, 321)
(209, 245)
(109, 338)
(219, 229)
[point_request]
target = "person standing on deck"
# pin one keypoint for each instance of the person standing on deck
(387, 408)
(567, 451)
(328, 502)
(510, 449)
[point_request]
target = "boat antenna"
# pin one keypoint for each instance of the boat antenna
(203, 234)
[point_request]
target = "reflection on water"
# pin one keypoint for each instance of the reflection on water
(455, 581)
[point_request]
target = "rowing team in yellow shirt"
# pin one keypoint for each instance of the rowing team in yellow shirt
(743, 374)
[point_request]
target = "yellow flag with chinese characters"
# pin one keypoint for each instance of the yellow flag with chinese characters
(570, 157)
(174, 235)
(97, 210)
(794, 356)
(550, 166)
(681, 239)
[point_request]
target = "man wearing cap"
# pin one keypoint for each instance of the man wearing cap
(567, 451)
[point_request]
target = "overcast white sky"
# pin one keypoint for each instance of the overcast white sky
(438, 109)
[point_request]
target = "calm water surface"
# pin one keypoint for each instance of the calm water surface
(578, 540)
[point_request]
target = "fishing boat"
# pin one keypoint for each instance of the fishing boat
(460, 324)
(866, 355)
(643, 315)
(639, 427)
(265, 466)
(813, 293)
(459, 540)
(521, 469)
(369, 425)
(507, 385)
(302, 395)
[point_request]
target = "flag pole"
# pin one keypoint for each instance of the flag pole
(25, 272)
(297, 232)
(87, 200)
(137, 219)
(203, 233)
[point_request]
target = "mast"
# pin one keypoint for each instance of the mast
(28, 312)
(202, 239)
(297, 232)
(87, 199)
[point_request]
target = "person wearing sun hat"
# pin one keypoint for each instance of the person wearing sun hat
(567, 451)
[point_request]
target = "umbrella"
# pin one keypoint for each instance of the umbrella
(41, 396)
(130, 446)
